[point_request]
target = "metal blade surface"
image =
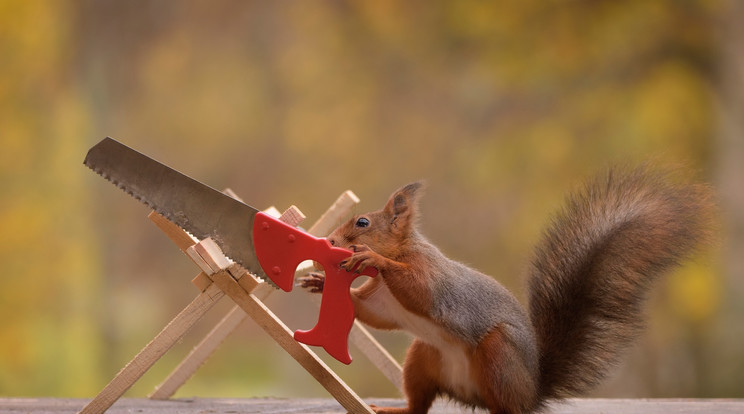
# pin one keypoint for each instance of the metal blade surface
(197, 208)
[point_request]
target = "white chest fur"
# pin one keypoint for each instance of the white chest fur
(455, 371)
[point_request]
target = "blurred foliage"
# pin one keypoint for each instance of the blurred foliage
(501, 106)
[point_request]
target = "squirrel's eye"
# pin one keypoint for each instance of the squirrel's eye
(362, 222)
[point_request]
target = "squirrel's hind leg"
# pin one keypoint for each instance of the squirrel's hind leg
(507, 385)
(420, 380)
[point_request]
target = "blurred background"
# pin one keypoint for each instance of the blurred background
(502, 107)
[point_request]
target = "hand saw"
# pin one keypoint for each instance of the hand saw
(262, 244)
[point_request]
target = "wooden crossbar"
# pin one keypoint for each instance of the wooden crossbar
(219, 278)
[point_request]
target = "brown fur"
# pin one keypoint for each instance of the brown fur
(595, 264)
(475, 343)
(506, 383)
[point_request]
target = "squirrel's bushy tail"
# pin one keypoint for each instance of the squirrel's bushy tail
(595, 263)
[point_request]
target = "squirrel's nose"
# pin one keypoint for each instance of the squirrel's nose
(332, 241)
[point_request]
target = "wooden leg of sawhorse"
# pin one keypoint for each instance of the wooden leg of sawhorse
(199, 354)
(204, 349)
(359, 336)
(377, 354)
(271, 324)
(153, 351)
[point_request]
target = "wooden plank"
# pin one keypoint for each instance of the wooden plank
(201, 281)
(211, 253)
(292, 216)
(229, 191)
(273, 212)
(185, 243)
(154, 350)
(262, 290)
(181, 238)
(335, 215)
(272, 325)
(329, 406)
(377, 354)
(198, 260)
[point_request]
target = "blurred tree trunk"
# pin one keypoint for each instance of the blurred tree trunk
(730, 172)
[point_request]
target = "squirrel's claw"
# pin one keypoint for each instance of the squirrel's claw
(362, 258)
(313, 281)
(359, 248)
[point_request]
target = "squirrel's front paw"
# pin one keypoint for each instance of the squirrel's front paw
(313, 281)
(362, 257)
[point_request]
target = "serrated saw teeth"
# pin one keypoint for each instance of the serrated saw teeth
(167, 216)
(126, 190)
(193, 206)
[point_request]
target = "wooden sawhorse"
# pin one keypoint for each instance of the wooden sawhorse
(220, 277)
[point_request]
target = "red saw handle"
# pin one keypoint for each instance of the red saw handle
(280, 248)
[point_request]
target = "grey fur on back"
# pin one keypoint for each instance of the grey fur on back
(470, 304)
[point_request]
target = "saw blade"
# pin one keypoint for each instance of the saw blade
(197, 208)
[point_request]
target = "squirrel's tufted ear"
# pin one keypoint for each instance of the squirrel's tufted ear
(402, 207)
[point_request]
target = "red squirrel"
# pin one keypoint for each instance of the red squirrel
(588, 279)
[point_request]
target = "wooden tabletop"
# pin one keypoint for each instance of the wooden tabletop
(318, 406)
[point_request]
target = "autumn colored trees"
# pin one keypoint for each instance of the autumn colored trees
(502, 107)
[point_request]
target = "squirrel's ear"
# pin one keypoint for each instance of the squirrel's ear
(402, 207)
